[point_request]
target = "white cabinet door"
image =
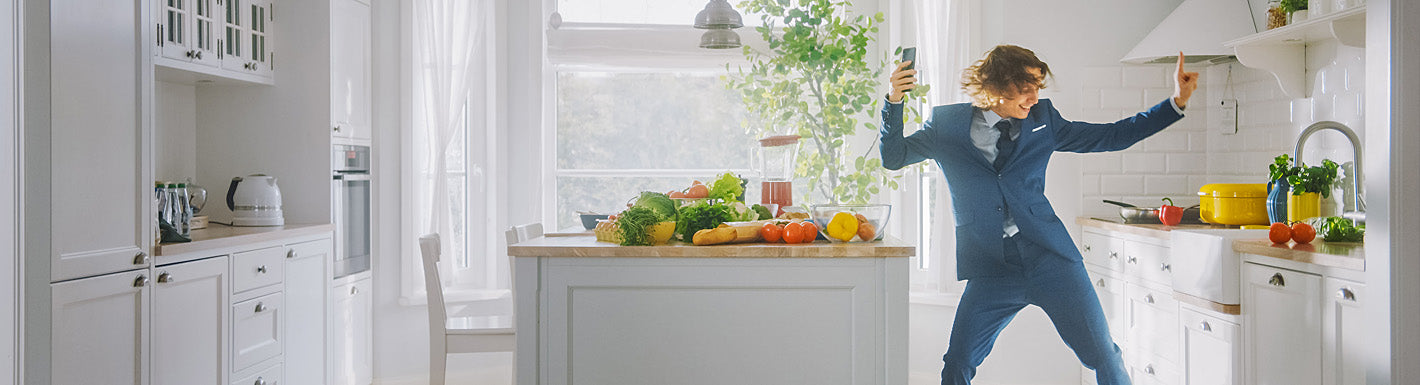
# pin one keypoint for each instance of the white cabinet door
(306, 289)
(350, 69)
(351, 334)
(100, 182)
(256, 330)
(1152, 318)
(187, 30)
(1110, 291)
(246, 44)
(1344, 328)
(100, 327)
(1211, 353)
(190, 323)
(1281, 326)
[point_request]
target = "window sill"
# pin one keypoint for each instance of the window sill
(454, 297)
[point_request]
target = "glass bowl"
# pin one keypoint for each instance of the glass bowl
(876, 215)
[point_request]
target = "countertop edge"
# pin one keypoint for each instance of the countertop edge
(587, 246)
(1318, 253)
(222, 236)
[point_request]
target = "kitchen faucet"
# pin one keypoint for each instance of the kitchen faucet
(1359, 215)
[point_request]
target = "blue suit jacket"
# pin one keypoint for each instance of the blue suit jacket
(980, 195)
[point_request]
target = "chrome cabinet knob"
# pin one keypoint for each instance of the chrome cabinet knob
(354, 290)
(1148, 298)
(259, 381)
(1133, 259)
(1100, 283)
(1165, 267)
(1277, 280)
(1346, 294)
(1087, 248)
(1149, 369)
(290, 254)
(260, 307)
(1205, 326)
(141, 258)
(261, 269)
(165, 278)
(141, 281)
(1114, 255)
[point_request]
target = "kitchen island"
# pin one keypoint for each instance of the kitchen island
(592, 312)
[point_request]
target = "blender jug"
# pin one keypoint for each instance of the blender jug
(776, 170)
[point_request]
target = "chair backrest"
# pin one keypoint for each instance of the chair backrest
(433, 287)
(521, 233)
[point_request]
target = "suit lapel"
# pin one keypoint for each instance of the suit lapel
(1030, 128)
(963, 136)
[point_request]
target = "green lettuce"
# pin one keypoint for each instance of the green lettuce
(728, 188)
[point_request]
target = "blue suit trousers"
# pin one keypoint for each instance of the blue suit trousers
(1059, 286)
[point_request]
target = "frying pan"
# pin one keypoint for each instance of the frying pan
(1150, 215)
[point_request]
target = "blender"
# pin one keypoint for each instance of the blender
(776, 170)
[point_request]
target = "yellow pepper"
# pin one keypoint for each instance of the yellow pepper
(843, 226)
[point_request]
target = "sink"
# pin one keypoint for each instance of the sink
(1205, 265)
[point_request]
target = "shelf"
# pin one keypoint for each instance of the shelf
(1282, 51)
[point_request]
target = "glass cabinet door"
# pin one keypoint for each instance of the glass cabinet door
(172, 29)
(259, 54)
(234, 29)
(204, 37)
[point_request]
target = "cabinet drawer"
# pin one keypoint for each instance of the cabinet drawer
(1151, 370)
(1212, 353)
(1147, 261)
(256, 330)
(1102, 250)
(1153, 321)
(268, 376)
(257, 268)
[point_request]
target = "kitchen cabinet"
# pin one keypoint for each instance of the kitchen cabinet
(1212, 350)
(187, 31)
(350, 69)
(99, 330)
(189, 322)
(256, 330)
(350, 333)
(95, 168)
(1110, 291)
(1132, 277)
(306, 290)
(1151, 316)
(1281, 326)
(1344, 332)
(247, 46)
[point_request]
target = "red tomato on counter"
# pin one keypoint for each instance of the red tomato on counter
(810, 231)
(793, 233)
(771, 233)
(1279, 232)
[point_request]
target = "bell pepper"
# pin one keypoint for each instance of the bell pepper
(1169, 214)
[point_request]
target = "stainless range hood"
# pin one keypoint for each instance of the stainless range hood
(1198, 28)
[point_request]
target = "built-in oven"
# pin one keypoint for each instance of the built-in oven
(350, 210)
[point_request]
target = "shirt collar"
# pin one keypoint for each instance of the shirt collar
(992, 118)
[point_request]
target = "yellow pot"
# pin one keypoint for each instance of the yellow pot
(1233, 203)
(1303, 206)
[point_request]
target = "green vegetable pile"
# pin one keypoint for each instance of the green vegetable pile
(1338, 229)
(701, 216)
(658, 202)
(728, 188)
(635, 224)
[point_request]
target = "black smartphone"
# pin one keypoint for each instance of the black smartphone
(910, 54)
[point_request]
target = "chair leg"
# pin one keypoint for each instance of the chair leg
(437, 365)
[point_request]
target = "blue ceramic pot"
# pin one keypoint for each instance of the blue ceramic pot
(1277, 192)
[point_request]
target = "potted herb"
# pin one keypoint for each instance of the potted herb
(1278, 187)
(1308, 187)
(818, 80)
(1297, 9)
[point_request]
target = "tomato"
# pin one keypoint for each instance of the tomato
(1303, 233)
(771, 233)
(1279, 232)
(793, 233)
(810, 231)
(676, 194)
(697, 191)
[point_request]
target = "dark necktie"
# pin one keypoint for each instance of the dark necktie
(1004, 146)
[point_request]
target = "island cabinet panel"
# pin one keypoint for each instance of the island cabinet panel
(711, 320)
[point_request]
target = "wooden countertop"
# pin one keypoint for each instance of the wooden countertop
(1146, 230)
(573, 245)
(217, 236)
(1346, 255)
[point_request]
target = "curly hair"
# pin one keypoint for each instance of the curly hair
(1001, 74)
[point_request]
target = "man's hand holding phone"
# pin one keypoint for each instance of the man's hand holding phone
(903, 78)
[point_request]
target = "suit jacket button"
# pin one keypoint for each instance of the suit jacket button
(998, 208)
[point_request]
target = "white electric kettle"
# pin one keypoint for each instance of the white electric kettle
(255, 201)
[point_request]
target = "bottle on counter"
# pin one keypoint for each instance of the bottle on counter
(160, 200)
(183, 214)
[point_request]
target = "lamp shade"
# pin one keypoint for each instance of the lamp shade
(720, 39)
(718, 14)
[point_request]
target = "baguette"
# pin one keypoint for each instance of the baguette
(714, 236)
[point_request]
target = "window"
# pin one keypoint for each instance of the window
(638, 106)
(449, 148)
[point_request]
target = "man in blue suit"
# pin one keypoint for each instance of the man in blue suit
(1012, 249)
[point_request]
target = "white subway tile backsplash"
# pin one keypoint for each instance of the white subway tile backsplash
(1135, 77)
(1154, 96)
(1122, 184)
(1302, 110)
(1144, 163)
(1171, 185)
(1101, 77)
(1121, 98)
(1170, 140)
(1222, 163)
(1089, 184)
(1255, 140)
(1101, 163)
(1187, 163)
(1198, 142)
(1348, 107)
(1196, 182)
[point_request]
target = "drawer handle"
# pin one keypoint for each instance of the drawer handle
(259, 381)
(261, 269)
(1206, 327)
(354, 290)
(141, 281)
(1133, 259)
(1100, 283)
(1087, 248)
(1114, 255)
(1149, 369)
(1165, 267)
(1148, 298)
(141, 258)
(1346, 294)
(260, 307)
(290, 254)
(165, 278)
(1277, 280)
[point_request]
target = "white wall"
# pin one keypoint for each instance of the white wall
(175, 131)
(9, 193)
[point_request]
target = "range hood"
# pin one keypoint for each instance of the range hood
(1198, 28)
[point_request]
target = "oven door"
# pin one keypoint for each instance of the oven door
(352, 223)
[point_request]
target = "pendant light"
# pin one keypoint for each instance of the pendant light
(720, 19)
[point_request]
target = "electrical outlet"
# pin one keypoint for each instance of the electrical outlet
(1227, 121)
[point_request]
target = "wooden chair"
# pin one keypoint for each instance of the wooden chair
(456, 331)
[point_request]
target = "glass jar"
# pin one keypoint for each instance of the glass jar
(1275, 16)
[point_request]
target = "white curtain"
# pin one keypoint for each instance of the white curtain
(948, 37)
(450, 51)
